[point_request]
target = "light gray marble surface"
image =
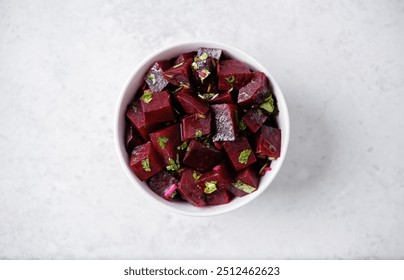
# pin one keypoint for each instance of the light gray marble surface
(340, 193)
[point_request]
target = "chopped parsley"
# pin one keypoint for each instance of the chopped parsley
(173, 194)
(134, 108)
(162, 141)
(230, 79)
(195, 66)
(198, 133)
(242, 125)
(244, 155)
(210, 187)
(184, 85)
(174, 166)
(196, 176)
(146, 165)
(244, 187)
(201, 116)
(268, 105)
(183, 146)
(147, 96)
(262, 169)
(152, 78)
(178, 65)
(208, 96)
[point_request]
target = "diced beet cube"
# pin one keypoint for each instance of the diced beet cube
(201, 157)
(190, 103)
(219, 174)
(232, 74)
(218, 197)
(157, 109)
(269, 142)
(255, 91)
(145, 162)
(165, 141)
(135, 114)
(164, 184)
(179, 74)
(224, 97)
(239, 153)
(254, 119)
(196, 125)
(190, 190)
(246, 182)
(155, 78)
(213, 53)
(218, 145)
(183, 57)
(204, 73)
(224, 116)
(132, 138)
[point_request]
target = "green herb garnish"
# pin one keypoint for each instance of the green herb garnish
(195, 66)
(198, 133)
(173, 194)
(196, 176)
(162, 141)
(134, 108)
(244, 187)
(152, 78)
(244, 155)
(230, 79)
(178, 65)
(183, 146)
(147, 96)
(210, 187)
(262, 168)
(203, 56)
(184, 85)
(146, 165)
(268, 105)
(173, 165)
(242, 125)
(201, 116)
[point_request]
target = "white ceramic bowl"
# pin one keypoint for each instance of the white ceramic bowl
(135, 81)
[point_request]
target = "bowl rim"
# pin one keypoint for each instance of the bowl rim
(213, 210)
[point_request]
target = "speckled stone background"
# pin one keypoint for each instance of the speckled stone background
(340, 193)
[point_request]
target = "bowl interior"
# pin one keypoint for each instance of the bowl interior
(136, 80)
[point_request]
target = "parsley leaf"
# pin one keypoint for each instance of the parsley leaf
(183, 146)
(244, 155)
(244, 187)
(147, 96)
(196, 176)
(210, 187)
(162, 141)
(146, 165)
(173, 165)
(152, 78)
(198, 133)
(268, 105)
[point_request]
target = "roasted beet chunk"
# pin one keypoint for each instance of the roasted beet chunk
(269, 142)
(157, 107)
(254, 92)
(190, 103)
(232, 74)
(219, 175)
(201, 157)
(155, 78)
(239, 153)
(135, 114)
(224, 116)
(246, 182)
(179, 74)
(196, 125)
(164, 184)
(254, 119)
(218, 197)
(204, 73)
(183, 57)
(145, 162)
(132, 138)
(189, 189)
(209, 52)
(165, 141)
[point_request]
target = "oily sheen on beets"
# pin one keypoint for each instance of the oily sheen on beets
(202, 128)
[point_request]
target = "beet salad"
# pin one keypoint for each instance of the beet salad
(202, 128)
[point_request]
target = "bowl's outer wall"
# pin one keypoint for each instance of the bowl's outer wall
(135, 81)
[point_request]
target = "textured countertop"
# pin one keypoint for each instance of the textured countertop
(340, 193)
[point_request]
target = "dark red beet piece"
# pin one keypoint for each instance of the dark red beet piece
(132, 138)
(254, 92)
(219, 174)
(154, 77)
(196, 125)
(158, 109)
(254, 119)
(136, 117)
(246, 182)
(164, 184)
(213, 53)
(201, 157)
(183, 57)
(232, 74)
(145, 162)
(269, 142)
(218, 145)
(179, 74)
(224, 97)
(190, 190)
(190, 103)
(239, 153)
(165, 141)
(224, 119)
(218, 197)
(204, 73)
